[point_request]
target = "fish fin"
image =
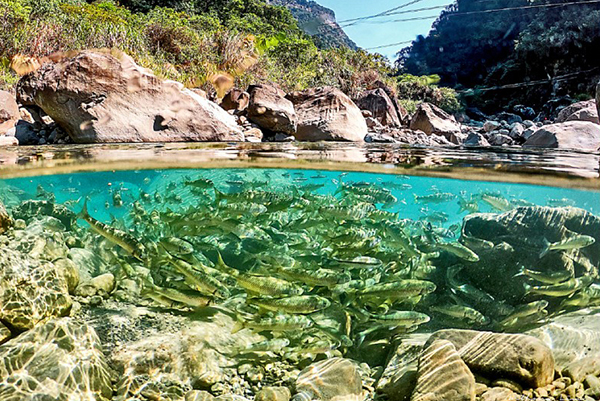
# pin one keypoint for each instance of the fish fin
(546, 248)
(83, 215)
(218, 196)
(237, 327)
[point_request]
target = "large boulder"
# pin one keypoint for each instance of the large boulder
(433, 120)
(443, 375)
(518, 357)
(380, 105)
(329, 380)
(9, 112)
(580, 111)
(60, 360)
(270, 109)
(577, 135)
(327, 114)
(101, 96)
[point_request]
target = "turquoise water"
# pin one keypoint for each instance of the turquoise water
(100, 187)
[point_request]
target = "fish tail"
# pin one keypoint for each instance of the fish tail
(84, 215)
(223, 267)
(527, 288)
(521, 272)
(416, 198)
(546, 248)
(218, 196)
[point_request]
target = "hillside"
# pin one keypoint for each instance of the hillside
(317, 21)
(534, 50)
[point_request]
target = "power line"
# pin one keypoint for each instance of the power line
(390, 45)
(381, 14)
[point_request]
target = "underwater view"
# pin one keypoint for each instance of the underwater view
(279, 284)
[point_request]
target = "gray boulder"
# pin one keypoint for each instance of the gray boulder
(327, 114)
(269, 109)
(580, 111)
(9, 112)
(380, 105)
(432, 120)
(575, 135)
(104, 96)
(476, 139)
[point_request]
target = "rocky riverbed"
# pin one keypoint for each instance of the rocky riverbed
(105, 97)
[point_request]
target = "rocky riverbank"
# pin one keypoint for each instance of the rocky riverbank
(105, 97)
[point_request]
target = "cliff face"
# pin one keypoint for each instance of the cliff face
(317, 21)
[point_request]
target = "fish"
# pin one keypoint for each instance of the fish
(270, 286)
(127, 242)
(191, 299)
(562, 289)
(317, 278)
(459, 250)
(199, 279)
(462, 312)
(546, 278)
(525, 310)
(280, 322)
(401, 318)
(497, 202)
(465, 205)
(176, 245)
(398, 289)
(574, 242)
(276, 345)
(300, 304)
(201, 183)
(438, 197)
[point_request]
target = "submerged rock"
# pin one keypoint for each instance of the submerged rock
(400, 374)
(331, 379)
(443, 375)
(30, 290)
(35, 208)
(574, 135)
(273, 394)
(522, 358)
(104, 96)
(269, 108)
(519, 237)
(5, 220)
(327, 114)
(575, 341)
(60, 360)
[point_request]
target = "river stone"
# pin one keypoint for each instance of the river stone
(236, 99)
(443, 375)
(476, 139)
(433, 120)
(34, 208)
(523, 231)
(104, 96)
(197, 395)
(400, 374)
(380, 105)
(575, 341)
(330, 379)
(61, 360)
(269, 109)
(573, 135)
(9, 112)
(5, 219)
(499, 394)
(273, 394)
(327, 114)
(522, 358)
(580, 111)
(30, 290)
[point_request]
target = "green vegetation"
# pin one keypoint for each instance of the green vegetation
(417, 89)
(469, 47)
(190, 42)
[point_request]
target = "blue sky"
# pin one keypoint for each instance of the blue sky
(370, 34)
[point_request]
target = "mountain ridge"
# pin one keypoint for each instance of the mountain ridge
(317, 21)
